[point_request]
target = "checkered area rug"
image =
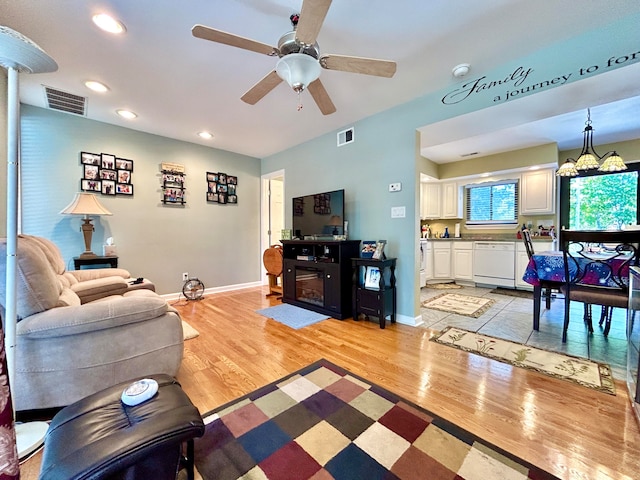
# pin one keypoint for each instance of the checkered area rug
(323, 422)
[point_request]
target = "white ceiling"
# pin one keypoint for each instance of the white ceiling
(179, 85)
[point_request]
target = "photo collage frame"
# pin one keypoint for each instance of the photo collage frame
(222, 188)
(106, 174)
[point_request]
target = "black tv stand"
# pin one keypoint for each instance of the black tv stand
(317, 275)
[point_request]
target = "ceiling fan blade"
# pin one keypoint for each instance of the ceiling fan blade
(367, 66)
(321, 97)
(311, 19)
(260, 89)
(218, 36)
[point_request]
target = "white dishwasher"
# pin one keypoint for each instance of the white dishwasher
(494, 263)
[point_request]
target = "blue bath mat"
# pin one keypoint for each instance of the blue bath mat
(292, 316)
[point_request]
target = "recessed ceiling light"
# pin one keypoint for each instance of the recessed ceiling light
(96, 86)
(108, 23)
(205, 135)
(129, 115)
(484, 175)
(535, 167)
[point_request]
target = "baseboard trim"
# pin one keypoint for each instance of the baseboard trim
(212, 290)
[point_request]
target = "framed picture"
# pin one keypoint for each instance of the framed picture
(222, 198)
(368, 248)
(379, 253)
(372, 278)
(222, 188)
(87, 158)
(232, 198)
(212, 177)
(232, 180)
(124, 189)
(222, 178)
(108, 174)
(231, 189)
(108, 187)
(91, 172)
(91, 185)
(124, 176)
(124, 164)
(212, 197)
(108, 161)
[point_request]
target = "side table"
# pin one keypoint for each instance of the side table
(374, 288)
(78, 262)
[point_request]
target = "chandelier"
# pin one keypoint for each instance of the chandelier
(589, 159)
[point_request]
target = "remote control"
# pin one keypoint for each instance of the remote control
(139, 392)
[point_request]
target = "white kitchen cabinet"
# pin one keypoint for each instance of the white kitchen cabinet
(522, 260)
(463, 260)
(451, 200)
(442, 260)
(538, 192)
(431, 205)
(427, 260)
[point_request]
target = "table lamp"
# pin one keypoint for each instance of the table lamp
(86, 204)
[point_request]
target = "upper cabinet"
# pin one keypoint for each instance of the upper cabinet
(538, 192)
(451, 200)
(431, 205)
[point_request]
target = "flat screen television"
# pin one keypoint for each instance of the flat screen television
(319, 215)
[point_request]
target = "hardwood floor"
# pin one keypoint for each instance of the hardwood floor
(568, 430)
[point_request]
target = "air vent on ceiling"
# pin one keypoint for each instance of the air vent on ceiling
(469, 154)
(65, 102)
(346, 136)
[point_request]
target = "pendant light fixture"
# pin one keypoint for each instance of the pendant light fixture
(589, 159)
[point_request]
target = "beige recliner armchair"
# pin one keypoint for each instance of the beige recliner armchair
(81, 331)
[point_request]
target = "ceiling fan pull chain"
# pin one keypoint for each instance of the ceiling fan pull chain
(299, 100)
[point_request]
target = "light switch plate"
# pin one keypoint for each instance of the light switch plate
(398, 212)
(395, 187)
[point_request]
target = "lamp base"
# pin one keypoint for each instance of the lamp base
(29, 437)
(88, 255)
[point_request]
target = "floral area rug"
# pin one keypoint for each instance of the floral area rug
(466, 305)
(323, 422)
(578, 370)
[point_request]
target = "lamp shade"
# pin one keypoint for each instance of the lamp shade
(298, 70)
(568, 169)
(613, 163)
(85, 204)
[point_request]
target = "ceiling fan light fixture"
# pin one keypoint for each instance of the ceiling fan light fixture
(298, 70)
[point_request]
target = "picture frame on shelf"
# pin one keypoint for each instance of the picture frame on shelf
(368, 248)
(372, 278)
(379, 252)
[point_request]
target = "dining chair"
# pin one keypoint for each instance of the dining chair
(596, 268)
(545, 285)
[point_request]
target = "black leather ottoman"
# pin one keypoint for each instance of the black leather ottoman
(99, 437)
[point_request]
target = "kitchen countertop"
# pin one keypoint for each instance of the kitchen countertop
(490, 238)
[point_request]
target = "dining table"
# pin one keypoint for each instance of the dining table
(549, 266)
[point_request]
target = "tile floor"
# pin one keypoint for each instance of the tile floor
(512, 318)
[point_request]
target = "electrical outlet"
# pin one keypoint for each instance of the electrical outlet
(398, 212)
(185, 276)
(395, 187)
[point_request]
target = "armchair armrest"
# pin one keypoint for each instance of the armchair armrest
(90, 290)
(94, 273)
(91, 317)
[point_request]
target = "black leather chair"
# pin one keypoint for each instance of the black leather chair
(99, 437)
(596, 265)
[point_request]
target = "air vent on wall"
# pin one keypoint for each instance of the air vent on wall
(65, 102)
(346, 136)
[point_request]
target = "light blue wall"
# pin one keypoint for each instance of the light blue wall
(220, 244)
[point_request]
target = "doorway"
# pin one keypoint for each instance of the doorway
(272, 217)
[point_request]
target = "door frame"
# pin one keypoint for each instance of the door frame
(266, 213)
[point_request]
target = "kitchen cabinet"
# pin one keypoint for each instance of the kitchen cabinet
(431, 200)
(538, 192)
(428, 260)
(462, 260)
(442, 260)
(522, 260)
(451, 200)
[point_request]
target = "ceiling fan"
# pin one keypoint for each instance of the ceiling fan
(300, 62)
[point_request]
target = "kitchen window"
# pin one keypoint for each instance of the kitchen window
(492, 203)
(600, 201)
